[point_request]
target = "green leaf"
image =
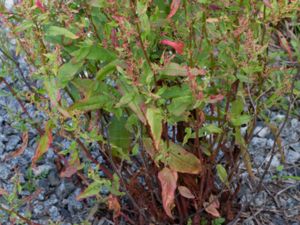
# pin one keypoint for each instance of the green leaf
(154, 120)
(134, 105)
(187, 136)
(52, 90)
(106, 70)
(67, 72)
(44, 143)
(58, 31)
(222, 174)
(237, 107)
(180, 160)
(174, 69)
(127, 98)
(99, 53)
(179, 105)
(212, 128)
(119, 137)
(174, 156)
(240, 120)
(91, 103)
(92, 190)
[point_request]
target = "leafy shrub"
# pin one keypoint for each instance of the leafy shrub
(164, 90)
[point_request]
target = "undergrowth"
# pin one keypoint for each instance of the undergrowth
(163, 89)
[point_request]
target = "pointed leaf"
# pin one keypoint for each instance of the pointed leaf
(113, 204)
(91, 190)
(222, 173)
(178, 159)
(67, 72)
(91, 103)
(215, 98)
(185, 192)
(174, 69)
(119, 136)
(154, 119)
(60, 31)
(3, 192)
(212, 206)
(43, 145)
(174, 7)
(40, 5)
(168, 179)
(178, 46)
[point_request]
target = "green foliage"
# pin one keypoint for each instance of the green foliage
(154, 84)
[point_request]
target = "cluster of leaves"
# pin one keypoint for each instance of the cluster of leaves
(163, 89)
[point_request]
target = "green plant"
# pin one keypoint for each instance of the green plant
(163, 88)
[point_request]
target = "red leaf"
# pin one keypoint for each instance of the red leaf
(212, 206)
(68, 171)
(267, 4)
(216, 98)
(3, 192)
(178, 46)
(40, 5)
(285, 45)
(113, 204)
(20, 150)
(168, 179)
(214, 7)
(174, 7)
(71, 168)
(43, 145)
(185, 192)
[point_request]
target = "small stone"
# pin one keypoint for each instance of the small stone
(292, 156)
(53, 178)
(295, 124)
(51, 201)
(64, 189)
(5, 172)
(275, 161)
(248, 222)
(54, 214)
(260, 199)
(258, 143)
(12, 143)
(38, 209)
(296, 146)
(264, 132)
(42, 169)
(43, 183)
(270, 143)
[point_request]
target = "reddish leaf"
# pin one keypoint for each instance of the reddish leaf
(178, 46)
(3, 192)
(214, 7)
(168, 179)
(68, 171)
(174, 7)
(43, 145)
(71, 168)
(185, 192)
(113, 204)
(212, 206)
(20, 150)
(267, 4)
(40, 5)
(216, 98)
(285, 45)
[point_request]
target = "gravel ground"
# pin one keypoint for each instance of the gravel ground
(54, 198)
